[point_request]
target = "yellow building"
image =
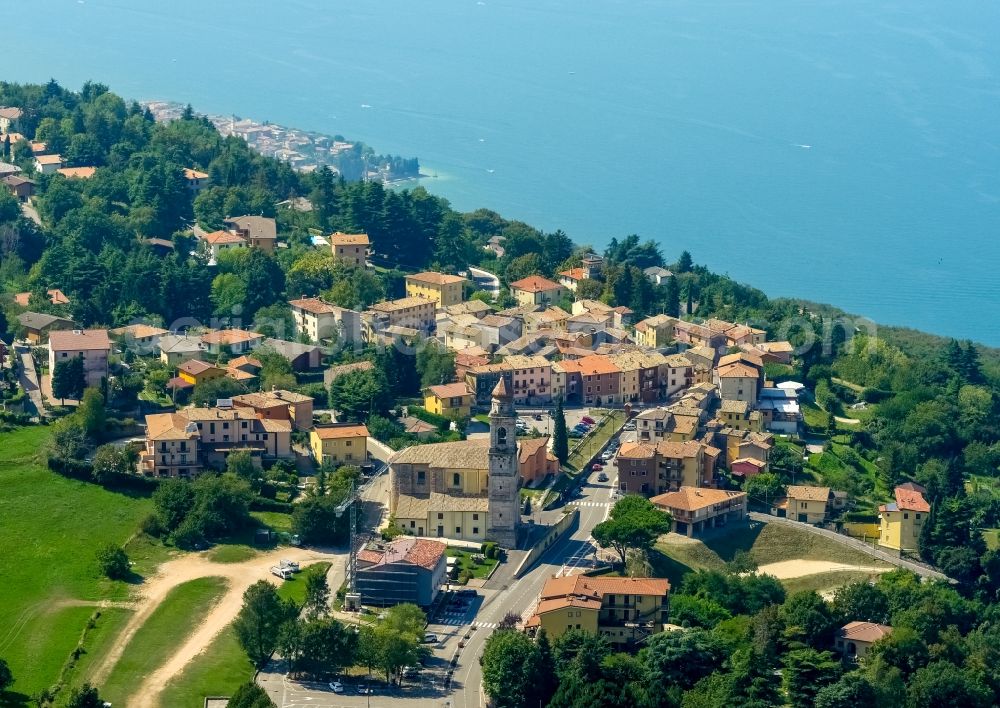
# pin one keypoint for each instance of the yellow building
(442, 490)
(196, 371)
(655, 332)
(625, 611)
(339, 444)
(452, 400)
(445, 290)
(900, 523)
(806, 504)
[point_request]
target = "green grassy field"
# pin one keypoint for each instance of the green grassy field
(175, 618)
(274, 520)
(223, 666)
(676, 556)
(478, 570)
(236, 553)
(218, 671)
(51, 528)
(826, 583)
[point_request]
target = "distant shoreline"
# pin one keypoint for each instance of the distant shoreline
(303, 150)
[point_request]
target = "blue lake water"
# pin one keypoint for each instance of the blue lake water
(847, 151)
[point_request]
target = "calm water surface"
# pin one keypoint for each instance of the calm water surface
(846, 151)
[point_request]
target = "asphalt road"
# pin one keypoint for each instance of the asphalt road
(473, 625)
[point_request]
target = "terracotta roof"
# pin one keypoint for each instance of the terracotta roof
(340, 431)
(138, 331)
(79, 339)
(269, 399)
(465, 454)
(750, 461)
(776, 347)
(695, 498)
(534, 284)
(240, 374)
(740, 357)
(56, 297)
(402, 303)
(529, 447)
(244, 360)
(222, 237)
(562, 603)
(586, 587)
(9, 112)
(597, 365)
(196, 366)
(77, 172)
(675, 450)
(434, 278)
(738, 370)
(230, 336)
(574, 274)
(864, 631)
(911, 500)
(520, 361)
(341, 239)
(415, 551)
(194, 174)
(417, 507)
(450, 390)
(637, 450)
(169, 426)
(801, 493)
(49, 159)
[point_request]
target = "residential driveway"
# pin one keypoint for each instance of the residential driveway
(28, 378)
(30, 212)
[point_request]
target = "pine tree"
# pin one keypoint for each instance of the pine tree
(560, 437)
(971, 366)
(684, 263)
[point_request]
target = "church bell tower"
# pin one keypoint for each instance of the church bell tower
(504, 497)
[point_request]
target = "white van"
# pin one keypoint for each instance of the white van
(283, 573)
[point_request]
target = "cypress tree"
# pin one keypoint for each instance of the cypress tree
(560, 437)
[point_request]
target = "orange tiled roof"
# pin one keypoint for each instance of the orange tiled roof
(341, 239)
(449, 390)
(695, 498)
(911, 500)
(864, 631)
(338, 432)
(230, 336)
(802, 493)
(435, 278)
(534, 284)
(574, 274)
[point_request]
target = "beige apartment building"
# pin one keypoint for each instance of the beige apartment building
(91, 345)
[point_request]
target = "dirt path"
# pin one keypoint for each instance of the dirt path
(239, 576)
(786, 570)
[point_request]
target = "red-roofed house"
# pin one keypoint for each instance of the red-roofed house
(404, 570)
(625, 611)
(536, 290)
(900, 523)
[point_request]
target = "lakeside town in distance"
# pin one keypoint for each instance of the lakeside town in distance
(302, 149)
(270, 439)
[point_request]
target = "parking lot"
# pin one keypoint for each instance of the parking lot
(540, 420)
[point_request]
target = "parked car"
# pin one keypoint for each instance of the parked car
(336, 687)
(283, 573)
(629, 426)
(602, 477)
(366, 690)
(588, 420)
(574, 433)
(537, 416)
(597, 467)
(290, 565)
(430, 639)
(410, 671)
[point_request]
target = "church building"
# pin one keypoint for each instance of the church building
(465, 490)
